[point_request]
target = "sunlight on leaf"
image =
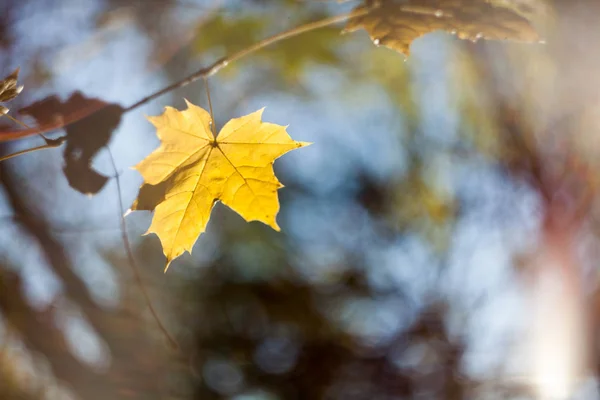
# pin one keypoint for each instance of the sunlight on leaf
(191, 170)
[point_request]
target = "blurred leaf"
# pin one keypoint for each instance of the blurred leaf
(232, 34)
(85, 136)
(292, 55)
(397, 81)
(199, 169)
(39, 74)
(395, 23)
(229, 35)
(422, 207)
(9, 89)
(417, 199)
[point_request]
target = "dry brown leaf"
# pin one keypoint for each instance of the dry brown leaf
(396, 23)
(9, 89)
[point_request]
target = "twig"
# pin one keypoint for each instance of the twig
(24, 125)
(50, 143)
(131, 259)
(31, 150)
(223, 62)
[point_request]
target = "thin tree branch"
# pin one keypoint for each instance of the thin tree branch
(131, 259)
(31, 150)
(202, 73)
(59, 123)
(24, 125)
(223, 62)
(50, 143)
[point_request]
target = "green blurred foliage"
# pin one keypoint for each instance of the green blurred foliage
(227, 34)
(224, 34)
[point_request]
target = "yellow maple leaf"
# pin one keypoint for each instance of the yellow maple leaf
(395, 24)
(192, 170)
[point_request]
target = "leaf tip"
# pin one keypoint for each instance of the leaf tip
(275, 226)
(259, 113)
(151, 119)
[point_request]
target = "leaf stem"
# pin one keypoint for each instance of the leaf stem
(213, 124)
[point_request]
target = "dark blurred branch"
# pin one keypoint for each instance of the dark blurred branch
(40, 335)
(125, 337)
(57, 258)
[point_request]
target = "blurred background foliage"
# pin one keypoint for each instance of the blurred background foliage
(408, 228)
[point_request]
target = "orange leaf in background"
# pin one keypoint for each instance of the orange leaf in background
(192, 170)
